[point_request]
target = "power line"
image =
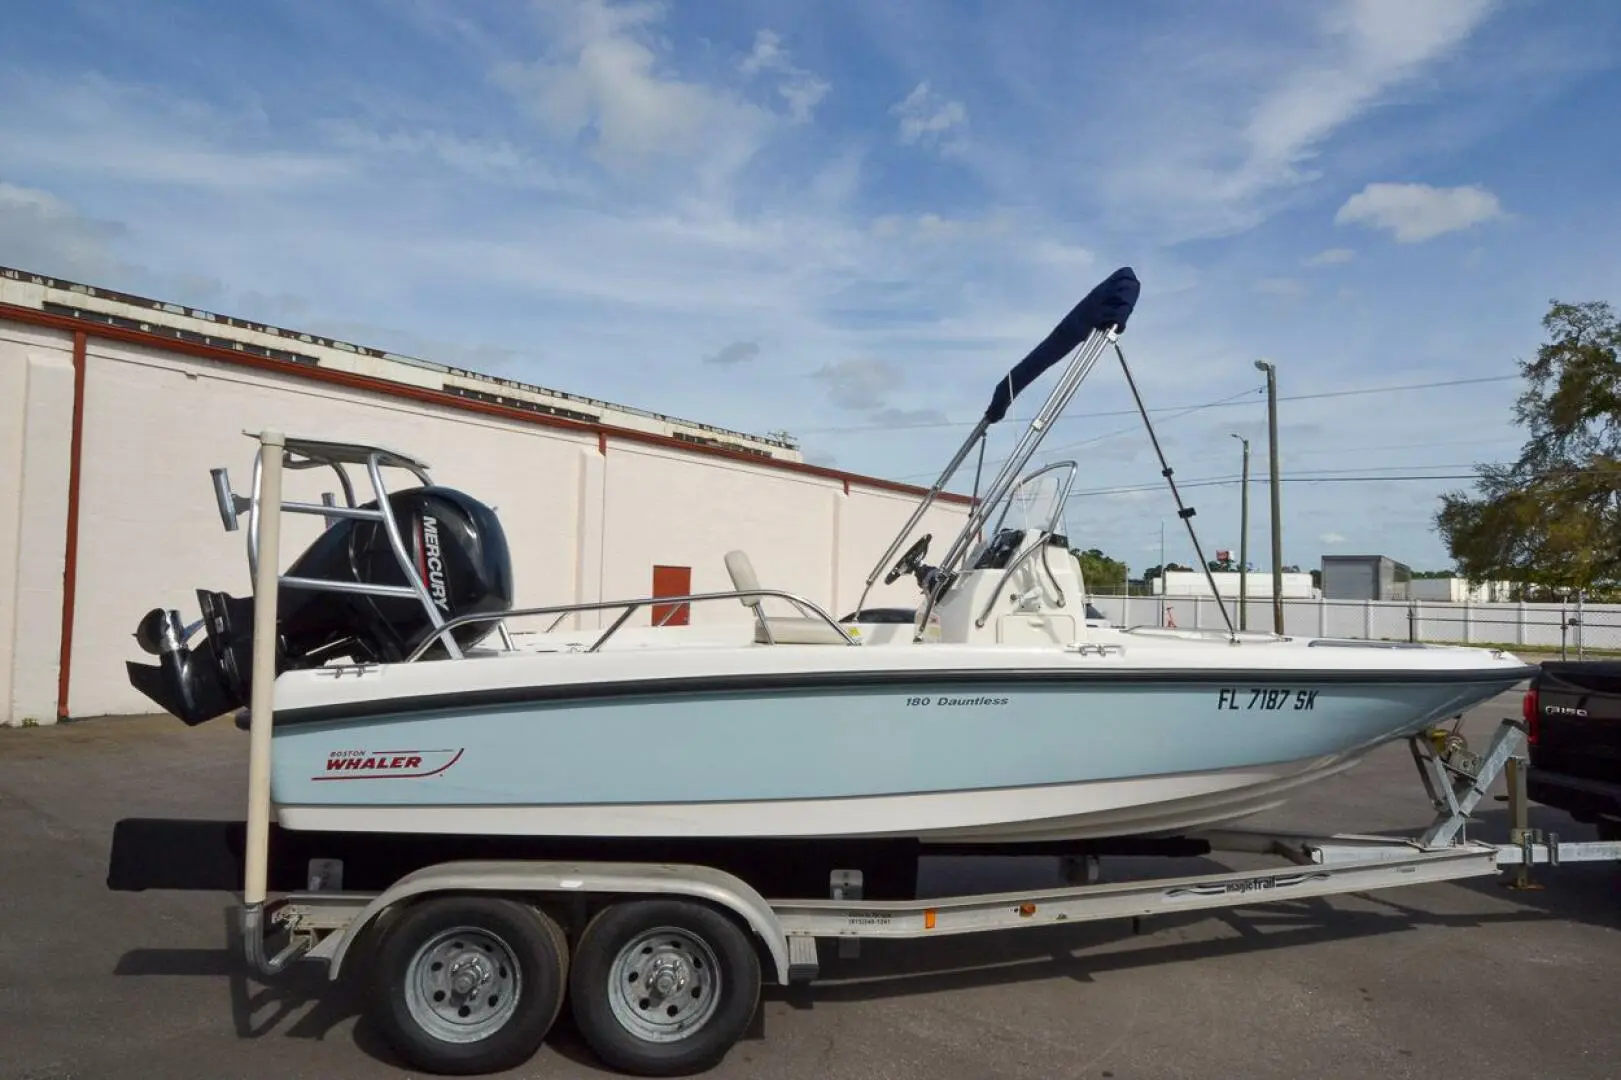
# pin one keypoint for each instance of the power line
(1231, 480)
(1393, 389)
(1315, 451)
(1047, 454)
(1361, 391)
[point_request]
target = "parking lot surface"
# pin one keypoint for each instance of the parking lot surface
(1467, 979)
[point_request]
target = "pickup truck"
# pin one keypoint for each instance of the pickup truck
(1572, 712)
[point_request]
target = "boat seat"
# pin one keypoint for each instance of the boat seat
(797, 630)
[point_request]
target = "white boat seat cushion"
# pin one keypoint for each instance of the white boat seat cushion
(799, 631)
(783, 631)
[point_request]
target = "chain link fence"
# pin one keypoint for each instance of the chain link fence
(1574, 629)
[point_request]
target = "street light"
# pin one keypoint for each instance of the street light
(1277, 518)
(1244, 539)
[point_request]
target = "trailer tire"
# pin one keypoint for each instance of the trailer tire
(702, 974)
(464, 985)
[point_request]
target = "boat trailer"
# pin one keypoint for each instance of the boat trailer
(324, 923)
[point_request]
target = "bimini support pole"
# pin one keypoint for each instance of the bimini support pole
(1182, 511)
(888, 557)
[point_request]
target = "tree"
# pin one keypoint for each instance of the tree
(1551, 519)
(1100, 571)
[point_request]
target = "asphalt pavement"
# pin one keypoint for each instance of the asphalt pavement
(1467, 979)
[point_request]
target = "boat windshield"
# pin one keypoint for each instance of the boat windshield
(1035, 503)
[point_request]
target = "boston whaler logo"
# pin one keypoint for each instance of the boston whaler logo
(433, 562)
(387, 764)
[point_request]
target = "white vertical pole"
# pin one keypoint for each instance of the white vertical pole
(267, 523)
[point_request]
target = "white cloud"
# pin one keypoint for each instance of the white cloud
(1236, 121)
(1331, 539)
(929, 118)
(1281, 287)
(494, 160)
(40, 232)
(1416, 212)
(1373, 46)
(602, 81)
(859, 385)
(802, 90)
(738, 352)
(92, 126)
(1331, 257)
(767, 54)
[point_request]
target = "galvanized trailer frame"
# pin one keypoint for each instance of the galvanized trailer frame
(324, 923)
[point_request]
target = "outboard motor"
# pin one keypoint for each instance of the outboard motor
(458, 550)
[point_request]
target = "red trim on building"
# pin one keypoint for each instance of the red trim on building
(387, 388)
(70, 567)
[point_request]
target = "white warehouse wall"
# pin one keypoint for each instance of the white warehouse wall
(36, 414)
(586, 518)
(1259, 584)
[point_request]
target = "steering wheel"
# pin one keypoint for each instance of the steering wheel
(910, 561)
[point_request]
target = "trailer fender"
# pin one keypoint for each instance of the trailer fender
(579, 879)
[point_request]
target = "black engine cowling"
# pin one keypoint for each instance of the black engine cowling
(457, 549)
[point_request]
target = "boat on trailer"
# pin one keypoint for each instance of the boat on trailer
(1000, 714)
(599, 812)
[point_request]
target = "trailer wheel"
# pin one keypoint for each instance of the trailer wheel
(469, 984)
(663, 987)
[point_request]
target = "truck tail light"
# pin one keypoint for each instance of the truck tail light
(1531, 713)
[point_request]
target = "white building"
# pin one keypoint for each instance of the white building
(113, 409)
(1457, 590)
(1259, 585)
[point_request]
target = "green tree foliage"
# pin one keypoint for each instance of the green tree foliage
(1099, 571)
(1552, 518)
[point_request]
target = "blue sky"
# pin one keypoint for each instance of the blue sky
(847, 219)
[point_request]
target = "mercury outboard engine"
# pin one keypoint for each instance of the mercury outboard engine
(457, 547)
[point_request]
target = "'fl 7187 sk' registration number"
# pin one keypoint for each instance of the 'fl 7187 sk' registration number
(1258, 698)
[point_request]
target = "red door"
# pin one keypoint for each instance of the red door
(671, 581)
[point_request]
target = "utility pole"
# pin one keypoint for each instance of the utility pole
(1162, 573)
(1244, 539)
(1277, 516)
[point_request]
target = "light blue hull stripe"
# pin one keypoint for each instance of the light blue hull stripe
(788, 744)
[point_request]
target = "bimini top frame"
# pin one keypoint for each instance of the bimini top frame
(1090, 327)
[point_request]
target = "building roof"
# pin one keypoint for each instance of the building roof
(90, 302)
(221, 338)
